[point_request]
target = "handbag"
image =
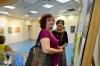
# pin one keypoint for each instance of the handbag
(36, 57)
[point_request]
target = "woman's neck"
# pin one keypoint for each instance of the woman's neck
(49, 29)
(59, 30)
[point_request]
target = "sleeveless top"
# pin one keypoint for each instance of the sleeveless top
(2, 49)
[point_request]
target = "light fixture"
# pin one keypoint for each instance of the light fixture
(63, 11)
(10, 7)
(62, 1)
(26, 15)
(48, 6)
(33, 12)
(3, 12)
(80, 8)
(70, 14)
(77, 1)
(61, 17)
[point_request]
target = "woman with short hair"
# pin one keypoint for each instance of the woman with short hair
(3, 47)
(61, 36)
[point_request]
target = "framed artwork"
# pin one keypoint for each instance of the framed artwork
(9, 30)
(72, 29)
(16, 29)
(1, 30)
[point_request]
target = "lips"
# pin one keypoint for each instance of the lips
(59, 26)
(52, 24)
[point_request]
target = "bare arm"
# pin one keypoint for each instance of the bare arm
(45, 43)
(61, 47)
(7, 48)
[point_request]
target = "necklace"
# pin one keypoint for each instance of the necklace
(59, 37)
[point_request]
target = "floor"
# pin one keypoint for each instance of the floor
(24, 47)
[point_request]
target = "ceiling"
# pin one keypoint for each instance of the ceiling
(23, 7)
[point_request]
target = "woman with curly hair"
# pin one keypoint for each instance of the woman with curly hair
(47, 40)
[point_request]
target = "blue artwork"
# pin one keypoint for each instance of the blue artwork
(72, 29)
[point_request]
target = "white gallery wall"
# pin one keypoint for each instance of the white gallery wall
(32, 31)
(6, 21)
(71, 20)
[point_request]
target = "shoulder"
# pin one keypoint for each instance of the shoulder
(7, 48)
(2, 44)
(65, 31)
(43, 31)
(54, 31)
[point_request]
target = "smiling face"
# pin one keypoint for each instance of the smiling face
(59, 25)
(49, 23)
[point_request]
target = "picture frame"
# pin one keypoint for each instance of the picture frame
(16, 29)
(72, 29)
(9, 30)
(1, 29)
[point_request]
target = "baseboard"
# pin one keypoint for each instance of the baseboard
(31, 39)
(16, 42)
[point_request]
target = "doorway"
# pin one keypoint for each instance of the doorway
(37, 30)
(29, 27)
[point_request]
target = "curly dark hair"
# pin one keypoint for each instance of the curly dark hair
(42, 21)
(2, 39)
(60, 20)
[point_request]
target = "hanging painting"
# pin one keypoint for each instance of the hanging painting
(9, 30)
(72, 29)
(16, 29)
(1, 30)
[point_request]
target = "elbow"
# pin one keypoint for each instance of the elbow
(46, 51)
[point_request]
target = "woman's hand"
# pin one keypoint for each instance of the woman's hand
(61, 51)
(60, 47)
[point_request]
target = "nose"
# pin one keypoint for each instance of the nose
(52, 21)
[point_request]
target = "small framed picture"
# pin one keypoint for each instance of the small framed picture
(1, 29)
(9, 30)
(72, 29)
(16, 29)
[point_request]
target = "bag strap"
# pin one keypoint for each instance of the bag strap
(36, 44)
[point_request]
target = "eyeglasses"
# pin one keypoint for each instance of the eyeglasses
(49, 20)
